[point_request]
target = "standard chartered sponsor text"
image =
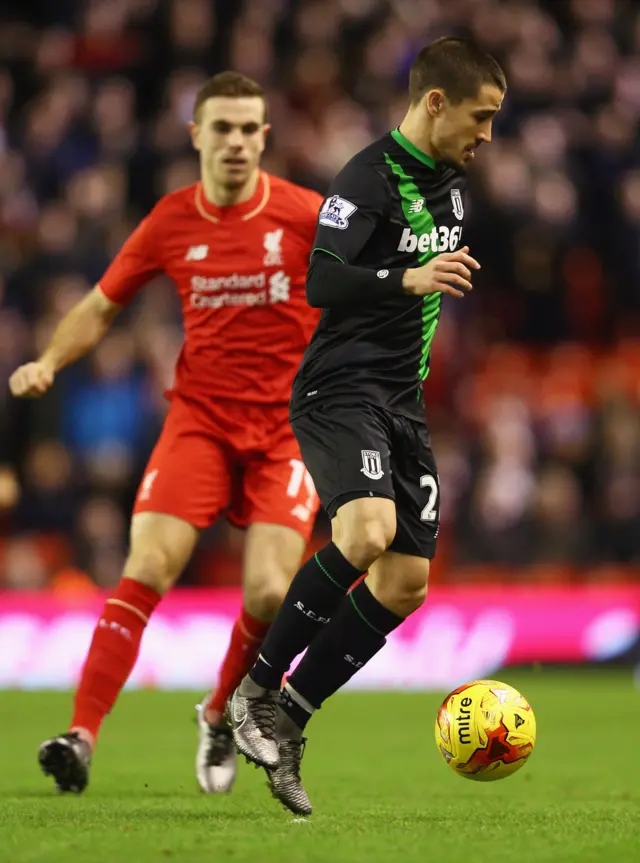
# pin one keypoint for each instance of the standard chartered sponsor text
(207, 294)
(235, 280)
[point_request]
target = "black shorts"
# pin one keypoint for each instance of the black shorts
(367, 451)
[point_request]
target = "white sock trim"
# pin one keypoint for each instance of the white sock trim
(299, 699)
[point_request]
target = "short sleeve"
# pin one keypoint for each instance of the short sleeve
(135, 264)
(356, 202)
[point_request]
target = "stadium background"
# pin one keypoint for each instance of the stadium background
(534, 397)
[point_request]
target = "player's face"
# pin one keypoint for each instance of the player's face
(458, 130)
(230, 136)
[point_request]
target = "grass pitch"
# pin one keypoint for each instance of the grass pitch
(380, 789)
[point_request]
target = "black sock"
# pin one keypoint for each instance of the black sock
(293, 715)
(314, 595)
(357, 631)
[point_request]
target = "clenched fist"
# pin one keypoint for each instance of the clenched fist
(31, 380)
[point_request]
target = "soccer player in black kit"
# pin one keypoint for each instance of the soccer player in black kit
(388, 247)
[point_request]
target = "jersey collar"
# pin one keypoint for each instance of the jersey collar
(244, 211)
(406, 144)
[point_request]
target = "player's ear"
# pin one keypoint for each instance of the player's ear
(194, 132)
(434, 102)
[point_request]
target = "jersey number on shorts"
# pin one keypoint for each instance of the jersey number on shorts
(429, 512)
(299, 475)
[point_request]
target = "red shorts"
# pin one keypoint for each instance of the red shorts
(232, 458)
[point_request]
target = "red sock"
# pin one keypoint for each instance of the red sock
(246, 637)
(113, 652)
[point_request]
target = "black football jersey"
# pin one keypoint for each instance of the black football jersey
(391, 207)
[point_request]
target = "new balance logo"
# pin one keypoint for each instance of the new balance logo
(197, 253)
(417, 206)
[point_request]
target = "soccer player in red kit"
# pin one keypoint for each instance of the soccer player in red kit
(237, 245)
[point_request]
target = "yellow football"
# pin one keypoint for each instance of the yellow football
(485, 730)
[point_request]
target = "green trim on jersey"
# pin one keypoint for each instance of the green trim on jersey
(421, 156)
(327, 252)
(421, 222)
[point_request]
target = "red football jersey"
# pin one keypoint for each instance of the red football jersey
(240, 273)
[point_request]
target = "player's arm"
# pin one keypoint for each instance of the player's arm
(77, 333)
(356, 203)
(85, 325)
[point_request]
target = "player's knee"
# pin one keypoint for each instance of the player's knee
(409, 599)
(365, 541)
(404, 588)
(152, 566)
(263, 597)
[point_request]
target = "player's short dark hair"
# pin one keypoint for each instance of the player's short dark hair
(456, 66)
(230, 84)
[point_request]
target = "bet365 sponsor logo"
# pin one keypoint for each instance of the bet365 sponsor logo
(442, 239)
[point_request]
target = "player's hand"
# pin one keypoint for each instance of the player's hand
(31, 380)
(448, 273)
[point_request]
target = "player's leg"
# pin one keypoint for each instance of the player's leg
(160, 547)
(176, 498)
(285, 780)
(276, 502)
(396, 584)
(356, 481)
(395, 587)
(272, 555)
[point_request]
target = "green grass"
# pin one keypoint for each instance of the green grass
(380, 789)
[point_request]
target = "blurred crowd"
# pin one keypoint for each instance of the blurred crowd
(534, 398)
